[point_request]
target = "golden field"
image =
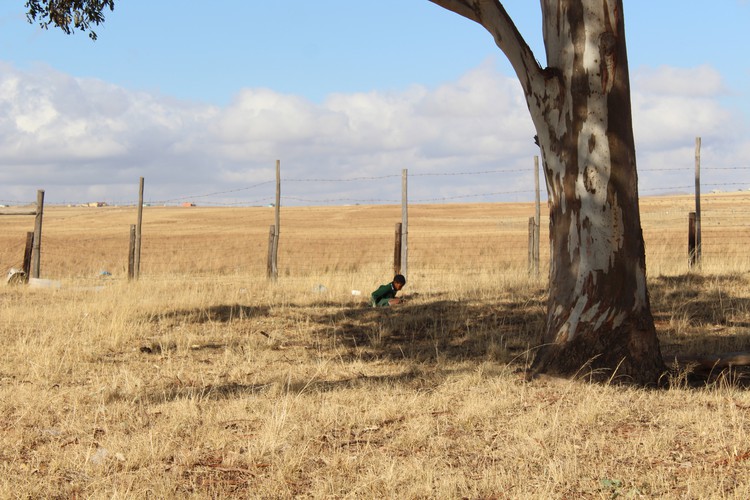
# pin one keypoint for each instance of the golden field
(205, 380)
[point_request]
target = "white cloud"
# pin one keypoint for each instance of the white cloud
(79, 138)
(701, 81)
(673, 106)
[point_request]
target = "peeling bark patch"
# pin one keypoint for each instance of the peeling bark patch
(559, 192)
(575, 317)
(602, 318)
(608, 60)
(619, 319)
(574, 244)
(558, 310)
(589, 177)
(590, 313)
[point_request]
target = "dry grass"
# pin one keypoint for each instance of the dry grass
(205, 380)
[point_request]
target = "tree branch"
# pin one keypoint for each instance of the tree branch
(68, 15)
(495, 19)
(461, 7)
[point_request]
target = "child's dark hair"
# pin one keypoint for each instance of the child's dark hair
(399, 279)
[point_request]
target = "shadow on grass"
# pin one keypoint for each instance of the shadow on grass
(418, 332)
(456, 330)
(218, 314)
(701, 316)
(706, 312)
(415, 377)
(695, 314)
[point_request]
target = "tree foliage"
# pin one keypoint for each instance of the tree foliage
(69, 15)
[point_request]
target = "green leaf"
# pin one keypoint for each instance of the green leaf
(611, 484)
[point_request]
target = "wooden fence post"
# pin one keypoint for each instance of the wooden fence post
(131, 253)
(397, 251)
(405, 223)
(138, 233)
(698, 249)
(36, 249)
(277, 227)
(692, 256)
(27, 254)
(537, 216)
(271, 267)
(532, 230)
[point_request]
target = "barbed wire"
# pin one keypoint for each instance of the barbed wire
(349, 200)
(268, 199)
(351, 179)
(482, 172)
(690, 169)
(412, 200)
(248, 203)
(667, 189)
(496, 193)
(665, 169)
(17, 202)
(230, 191)
(727, 184)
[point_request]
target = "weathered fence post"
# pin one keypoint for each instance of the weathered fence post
(698, 244)
(537, 216)
(271, 266)
(138, 233)
(27, 254)
(131, 253)
(36, 249)
(274, 262)
(405, 223)
(397, 250)
(692, 256)
(532, 231)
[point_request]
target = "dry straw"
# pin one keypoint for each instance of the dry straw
(205, 382)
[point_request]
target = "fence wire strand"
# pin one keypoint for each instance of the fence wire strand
(307, 249)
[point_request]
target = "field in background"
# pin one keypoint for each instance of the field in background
(203, 379)
(444, 240)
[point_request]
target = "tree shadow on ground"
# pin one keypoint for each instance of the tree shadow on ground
(218, 314)
(197, 317)
(695, 314)
(420, 332)
(701, 316)
(415, 377)
(425, 331)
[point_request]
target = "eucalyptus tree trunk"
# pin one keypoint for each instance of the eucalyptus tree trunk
(599, 318)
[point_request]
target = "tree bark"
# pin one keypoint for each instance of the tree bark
(599, 320)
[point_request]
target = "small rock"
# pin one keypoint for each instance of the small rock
(99, 456)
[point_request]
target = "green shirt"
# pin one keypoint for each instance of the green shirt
(381, 296)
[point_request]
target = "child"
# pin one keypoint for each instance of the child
(385, 295)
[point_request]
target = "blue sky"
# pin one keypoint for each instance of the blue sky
(204, 100)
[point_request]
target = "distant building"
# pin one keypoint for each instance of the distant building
(188, 204)
(96, 204)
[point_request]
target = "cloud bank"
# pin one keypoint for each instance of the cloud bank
(84, 140)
